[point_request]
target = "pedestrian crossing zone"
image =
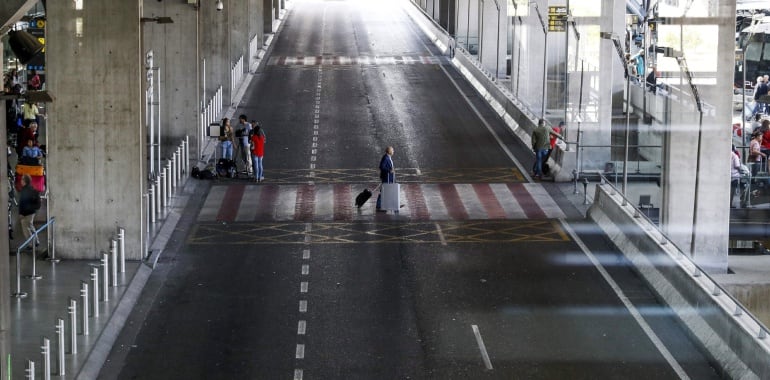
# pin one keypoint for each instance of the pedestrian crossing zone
(334, 202)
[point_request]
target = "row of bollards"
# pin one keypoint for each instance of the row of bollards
(165, 183)
(102, 276)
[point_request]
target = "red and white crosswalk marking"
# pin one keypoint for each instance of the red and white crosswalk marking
(346, 61)
(334, 202)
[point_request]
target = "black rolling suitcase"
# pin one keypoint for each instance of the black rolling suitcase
(363, 197)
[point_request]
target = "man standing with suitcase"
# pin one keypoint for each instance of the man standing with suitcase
(387, 173)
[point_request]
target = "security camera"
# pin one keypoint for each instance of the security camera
(220, 5)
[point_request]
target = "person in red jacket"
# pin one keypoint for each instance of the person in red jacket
(258, 140)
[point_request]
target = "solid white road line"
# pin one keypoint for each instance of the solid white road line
(482, 348)
(630, 306)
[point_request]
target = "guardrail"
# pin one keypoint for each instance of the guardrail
(164, 186)
(210, 114)
(694, 296)
(236, 75)
(104, 275)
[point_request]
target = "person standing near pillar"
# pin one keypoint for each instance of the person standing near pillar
(29, 203)
(258, 140)
(242, 132)
(226, 139)
(541, 143)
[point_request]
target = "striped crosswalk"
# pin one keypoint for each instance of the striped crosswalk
(349, 61)
(334, 202)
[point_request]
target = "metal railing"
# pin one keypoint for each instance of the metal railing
(33, 242)
(210, 114)
(162, 189)
(236, 75)
(105, 275)
(749, 321)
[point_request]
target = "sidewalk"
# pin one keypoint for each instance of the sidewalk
(35, 316)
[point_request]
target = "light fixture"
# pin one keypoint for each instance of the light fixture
(24, 45)
(220, 5)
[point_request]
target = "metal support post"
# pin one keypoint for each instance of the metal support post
(95, 287)
(30, 370)
(60, 342)
(45, 350)
(178, 165)
(172, 171)
(34, 275)
(84, 300)
(164, 201)
(114, 260)
(105, 277)
(122, 249)
(169, 193)
(575, 180)
(187, 155)
(50, 242)
(19, 293)
(151, 203)
(585, 191)
(73, 312)
(158, 198)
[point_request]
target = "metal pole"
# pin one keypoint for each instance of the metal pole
(162, 186)
(169, 193)
(150, 118)
(49, 242)
(173, 172)
(84, 301)
(187, 154)
(114, 259)
(122, 248)
(95, 287)
(151, 204)
(158, 197)
(19, 293)
(34, 275)
(106, 277)
(73, 313)
(45, 350)
(60, 342)
(697, 182)
(52, 238)
(627, 133)
(30, 370)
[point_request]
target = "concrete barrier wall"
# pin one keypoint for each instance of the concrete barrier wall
(733, 338)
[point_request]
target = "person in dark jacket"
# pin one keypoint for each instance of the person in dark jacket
(29, 203)
(387, 173)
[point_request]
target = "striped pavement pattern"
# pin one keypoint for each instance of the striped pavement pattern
(335, 202)
(348, 61)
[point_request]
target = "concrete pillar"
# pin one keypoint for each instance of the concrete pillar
(256, 27)
(494, 35)
(468, 25)
(175, 54)
(679, 165)
(96, 137)
(269, 16)
(215, 51)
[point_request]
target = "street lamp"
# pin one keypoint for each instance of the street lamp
(680, 60)
(619, 49)
(545, 56)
